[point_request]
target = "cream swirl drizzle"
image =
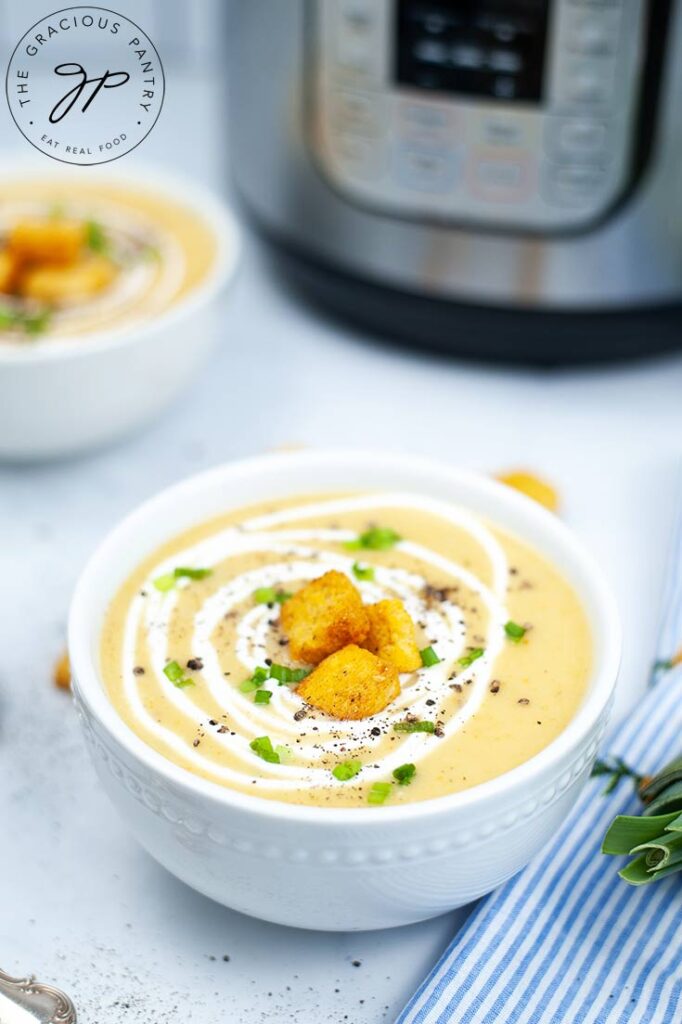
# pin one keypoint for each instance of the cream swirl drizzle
(294, 558)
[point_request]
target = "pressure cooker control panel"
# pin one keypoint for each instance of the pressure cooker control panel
(518, 113)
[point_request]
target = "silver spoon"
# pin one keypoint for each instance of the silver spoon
(26, 1001)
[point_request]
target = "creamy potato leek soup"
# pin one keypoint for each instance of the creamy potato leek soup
(80, 257)
(354, 650)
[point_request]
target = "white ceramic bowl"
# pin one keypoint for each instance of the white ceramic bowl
(60, 396)
(336, 868)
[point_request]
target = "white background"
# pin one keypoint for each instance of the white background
(80, 904)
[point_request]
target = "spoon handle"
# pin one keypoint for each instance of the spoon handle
(26, 1001)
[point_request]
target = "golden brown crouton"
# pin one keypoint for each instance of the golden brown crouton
(57, 242)
(7, 271)
(324, 616)
(391, 635)
(352, 683)
(56, 285)
(62, 673)
(532, 486)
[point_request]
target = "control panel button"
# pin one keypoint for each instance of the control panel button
(574, 184)
(591, 85)
(503, 130)
(576, 140)
(360, 158)
(499, 173)
(356, 113)
(426, 119)
(426, 168)
(356, 37)
(355, 54)
(594, 35)
(357, 15)
(502, 179)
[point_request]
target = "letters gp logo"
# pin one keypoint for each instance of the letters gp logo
(85, 85)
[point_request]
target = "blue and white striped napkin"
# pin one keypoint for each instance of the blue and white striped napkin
(567, 941)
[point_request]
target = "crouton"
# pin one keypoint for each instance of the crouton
(324, 616)
(533, 487)
(391, 635)
(63, 285)
(7, 271)
(352, 683)
(56, 242)
(62, 673)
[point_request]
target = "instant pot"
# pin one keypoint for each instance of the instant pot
(500, 178)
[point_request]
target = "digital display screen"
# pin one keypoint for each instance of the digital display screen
(491, 48)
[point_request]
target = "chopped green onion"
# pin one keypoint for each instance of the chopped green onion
(173, 671)
(262, 696)
(268, 595)
(165, 582)
(414, 727)
(254, 681)
(284, 754)
(379, 792)
(363, 572)
(175, 674)
(474, 654)
(282, 673)
(32, 323)
(346, 770)
(377, 538)
(285, 675)
(515, 632)
(95, 236)
(168, 580)
(191, 574)
(404, 774)
(429, 657)
(264, 749)
(36, 323)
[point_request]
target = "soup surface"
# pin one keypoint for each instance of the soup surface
(79, 257)
(197, 662)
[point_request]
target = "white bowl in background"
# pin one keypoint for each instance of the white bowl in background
(320, 867)
(59, 396)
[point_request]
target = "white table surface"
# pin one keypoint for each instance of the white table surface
(80, 904)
